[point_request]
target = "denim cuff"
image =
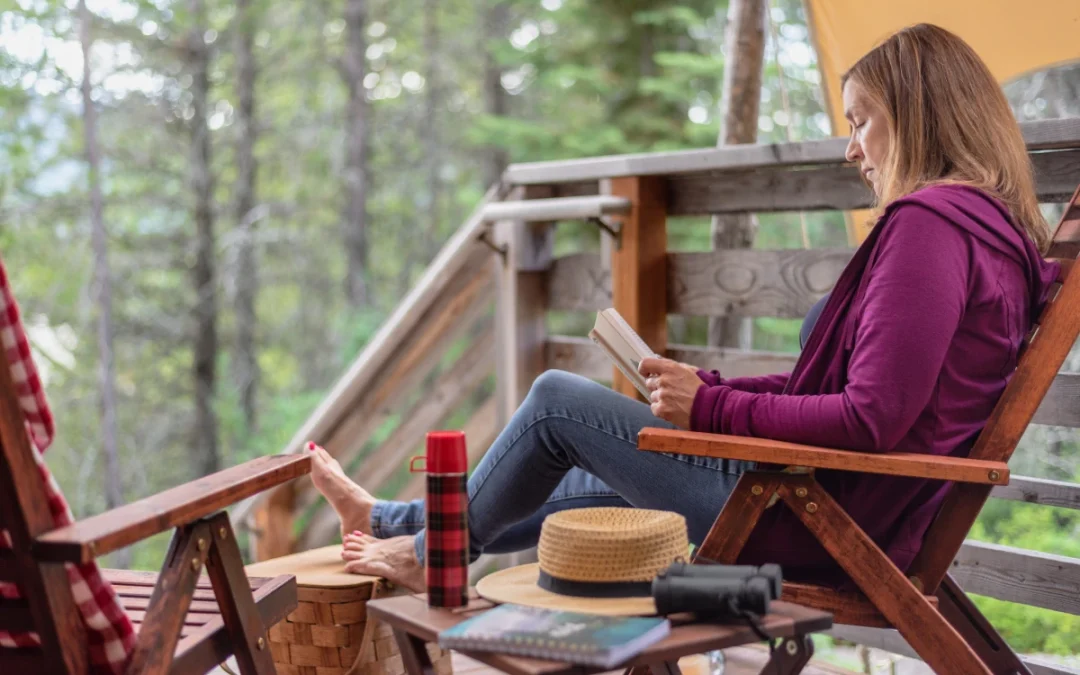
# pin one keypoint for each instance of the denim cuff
(376, 518)
(418, 543)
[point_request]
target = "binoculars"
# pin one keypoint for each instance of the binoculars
(716, 591)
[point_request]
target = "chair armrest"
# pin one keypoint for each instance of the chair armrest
(913, 465)
(104, 533)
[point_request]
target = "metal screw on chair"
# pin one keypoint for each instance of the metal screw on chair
(202, 544)
(994, 475)
(811, 507)
(757, 490)
(261, 644)
(800, 492)
(195, 564)
(791, 647)
(221, 532)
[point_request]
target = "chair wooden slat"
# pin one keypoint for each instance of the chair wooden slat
(8, 569)
(139, 578)
(135, 594)
(24, 660)
(849, 608)
(15, 616)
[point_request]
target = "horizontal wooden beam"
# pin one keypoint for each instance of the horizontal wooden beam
(888, 640)
(829, 187)
(1061, 405)
(814, 188)
(779, 283)
(1018, 575)
(1041, 135)
(559, 208)
(582, 356)
(1040, 491)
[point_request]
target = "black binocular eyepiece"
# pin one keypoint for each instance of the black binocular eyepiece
(716, 590)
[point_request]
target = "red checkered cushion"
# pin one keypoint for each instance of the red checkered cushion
(110, 633)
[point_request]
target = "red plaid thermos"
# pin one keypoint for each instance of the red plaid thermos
(446, 506)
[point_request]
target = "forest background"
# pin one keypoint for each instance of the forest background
(206, 220)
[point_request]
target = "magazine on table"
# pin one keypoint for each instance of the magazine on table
(556, 635)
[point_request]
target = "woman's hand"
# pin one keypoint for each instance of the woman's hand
(672, 386)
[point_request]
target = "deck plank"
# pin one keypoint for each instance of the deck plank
(747, 660)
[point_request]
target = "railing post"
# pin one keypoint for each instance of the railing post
(273, 533)
(521, 304)
(520, 309)
(639, 264)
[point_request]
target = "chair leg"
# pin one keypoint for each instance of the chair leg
(737, 518)
(234, 598)
(966, 618)
(925, 629)
(170, 600)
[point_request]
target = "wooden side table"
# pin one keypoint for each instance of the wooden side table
(415, 624)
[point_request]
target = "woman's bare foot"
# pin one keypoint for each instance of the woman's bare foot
(352, 502)
(394, 559)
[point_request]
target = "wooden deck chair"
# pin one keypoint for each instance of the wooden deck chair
(184, 624)
(925, 605)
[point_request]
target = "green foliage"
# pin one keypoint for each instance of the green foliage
(579, 78)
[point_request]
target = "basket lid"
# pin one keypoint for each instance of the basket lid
(320, 567)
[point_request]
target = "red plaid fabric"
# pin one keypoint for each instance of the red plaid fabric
(446, 545)
(110, 633)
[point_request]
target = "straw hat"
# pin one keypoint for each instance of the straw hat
(597, 560)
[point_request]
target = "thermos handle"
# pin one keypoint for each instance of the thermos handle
(414, 460)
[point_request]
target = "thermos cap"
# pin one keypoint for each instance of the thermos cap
(446, 452)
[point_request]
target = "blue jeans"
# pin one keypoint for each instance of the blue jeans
(572, 444)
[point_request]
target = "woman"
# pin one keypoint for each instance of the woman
(910, 352)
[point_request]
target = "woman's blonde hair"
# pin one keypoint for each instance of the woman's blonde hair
(948, 122)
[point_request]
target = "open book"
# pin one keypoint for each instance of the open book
(622, 345)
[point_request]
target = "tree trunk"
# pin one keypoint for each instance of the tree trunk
(432, 149)
(202, 183)
(496, 19)
(114, 492)
(355, 216)
(740, 100)
(246, 363)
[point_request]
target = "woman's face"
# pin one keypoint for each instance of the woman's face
(869, 142)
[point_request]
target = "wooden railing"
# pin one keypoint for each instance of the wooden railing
(512, 261)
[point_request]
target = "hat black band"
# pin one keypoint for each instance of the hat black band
(594, 589)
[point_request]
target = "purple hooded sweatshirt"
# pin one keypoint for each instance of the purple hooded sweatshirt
(910, 354)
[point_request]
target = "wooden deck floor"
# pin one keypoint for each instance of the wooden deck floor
(747, 660)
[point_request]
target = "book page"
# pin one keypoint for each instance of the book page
(622, 345)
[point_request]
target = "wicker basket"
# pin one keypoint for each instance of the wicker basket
(329, 632)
